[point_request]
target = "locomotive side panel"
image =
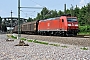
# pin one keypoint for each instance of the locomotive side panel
(42, 26)
(63, 23)
(55, 25)
(48, 25)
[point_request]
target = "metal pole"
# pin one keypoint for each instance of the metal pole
(64, 8)
(43, 15)
(19, 35)
(11, 21)
(72, 10)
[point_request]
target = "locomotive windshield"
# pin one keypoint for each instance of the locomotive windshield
(71, 19)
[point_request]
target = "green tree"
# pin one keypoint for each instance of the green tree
(76, 11)
(44, 12)
(60, 13)
(67, 11)
(81, 17)
(29, 19)
(39, 16)
(0, 20)
(88, 13)
(54, 13)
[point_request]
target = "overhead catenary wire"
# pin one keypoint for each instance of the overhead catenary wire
(27, 11)
(37, 3)
(41, 6)
(33, 7)
(27, 15)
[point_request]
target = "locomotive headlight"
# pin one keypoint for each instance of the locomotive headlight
(69, 24)
(76, 24)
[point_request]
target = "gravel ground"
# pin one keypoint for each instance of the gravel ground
(40, 52)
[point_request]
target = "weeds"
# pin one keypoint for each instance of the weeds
(23, 39)
(84, 48)
(54, 44)
(30, 40)
(35, 41)
(43, 43)
(13, 37)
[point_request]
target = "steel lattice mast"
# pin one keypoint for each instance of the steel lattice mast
(19, 34)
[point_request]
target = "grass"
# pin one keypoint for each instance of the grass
(23, 39)
(35, 41)
(54, 44)
(84, 33)
(84, 48)
(30, 40)
(13, 37)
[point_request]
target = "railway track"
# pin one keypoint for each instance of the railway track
(83, 36)
(79, 40)
(78, 36)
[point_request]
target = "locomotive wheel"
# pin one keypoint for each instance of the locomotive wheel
(75, 34)
(64, 34)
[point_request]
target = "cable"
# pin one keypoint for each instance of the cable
(26, 13)
(37, 3)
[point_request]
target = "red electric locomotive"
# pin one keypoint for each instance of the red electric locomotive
(64, 25)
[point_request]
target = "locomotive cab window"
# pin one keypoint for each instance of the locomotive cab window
(71, 19)
(62, 20)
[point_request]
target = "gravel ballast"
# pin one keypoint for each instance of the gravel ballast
(35, 51)
(80, 41)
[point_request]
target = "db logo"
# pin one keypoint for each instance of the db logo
(72, 24)
(48, 24)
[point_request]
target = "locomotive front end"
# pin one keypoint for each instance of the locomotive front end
(72, 25)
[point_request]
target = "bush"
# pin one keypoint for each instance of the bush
(84, 28)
